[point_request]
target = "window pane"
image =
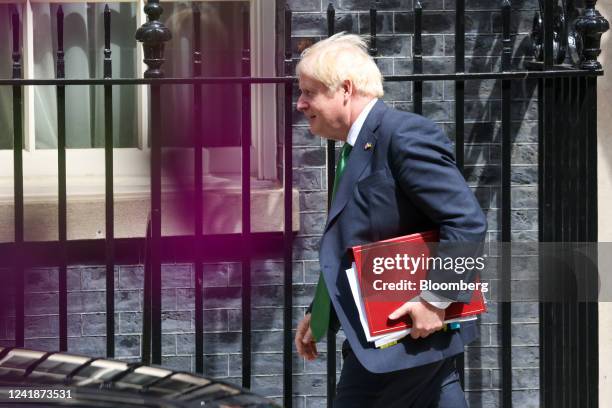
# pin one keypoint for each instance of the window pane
(6, 92)
(221, 39)
(83, 47)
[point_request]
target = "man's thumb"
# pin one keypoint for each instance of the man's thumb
(307, 337)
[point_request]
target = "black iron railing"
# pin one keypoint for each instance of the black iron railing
(567, 210)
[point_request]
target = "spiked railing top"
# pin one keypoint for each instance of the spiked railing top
(331, 22)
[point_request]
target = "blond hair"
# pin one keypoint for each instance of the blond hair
(341, 57)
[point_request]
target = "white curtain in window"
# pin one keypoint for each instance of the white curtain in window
(83, 56)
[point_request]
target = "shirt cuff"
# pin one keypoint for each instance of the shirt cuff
(435, 300)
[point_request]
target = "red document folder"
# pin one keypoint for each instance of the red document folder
(378, 306)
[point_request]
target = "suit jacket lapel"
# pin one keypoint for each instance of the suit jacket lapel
(360, 157)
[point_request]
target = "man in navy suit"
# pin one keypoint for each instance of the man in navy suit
(398, 176)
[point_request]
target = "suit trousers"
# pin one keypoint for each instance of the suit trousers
(433, 385)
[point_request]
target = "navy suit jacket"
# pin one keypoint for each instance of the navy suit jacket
(406, 182)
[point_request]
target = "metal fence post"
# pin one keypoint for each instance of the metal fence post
(506, 213)
(18, 267)
(61, 176)
(331, 175)
(246, 201)
(153, 35)
(417, 59)
(109, 204)
(288, 224)
(198, 196)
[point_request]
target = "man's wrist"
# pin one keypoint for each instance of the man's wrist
(435, 300)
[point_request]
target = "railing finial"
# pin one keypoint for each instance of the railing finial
(417, 44)
(197, 43)
(288, 53)
(591, 25)
(331, 19)
(16, 56)
(373, 17)
(60, 70)
(153, 34)
(107, 42)
(506, 38)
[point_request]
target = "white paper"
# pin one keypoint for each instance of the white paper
(351, 274)
(381, 339)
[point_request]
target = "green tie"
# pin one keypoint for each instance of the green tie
(321, 305)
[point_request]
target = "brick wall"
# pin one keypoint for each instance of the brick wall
(482, 149)
(222, 314)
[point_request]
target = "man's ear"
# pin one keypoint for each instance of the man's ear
(347, 89)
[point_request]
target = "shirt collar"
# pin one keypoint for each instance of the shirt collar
(358, 124)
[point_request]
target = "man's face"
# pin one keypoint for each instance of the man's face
(327, 113)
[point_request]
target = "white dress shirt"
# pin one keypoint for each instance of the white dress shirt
(358, 124)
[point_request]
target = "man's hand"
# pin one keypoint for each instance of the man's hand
(304, 342)
(426, 318)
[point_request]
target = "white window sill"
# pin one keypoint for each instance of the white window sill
(86, 209)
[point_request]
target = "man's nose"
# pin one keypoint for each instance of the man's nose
(301, 105)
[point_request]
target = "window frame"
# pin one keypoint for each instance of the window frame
(131, 164)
